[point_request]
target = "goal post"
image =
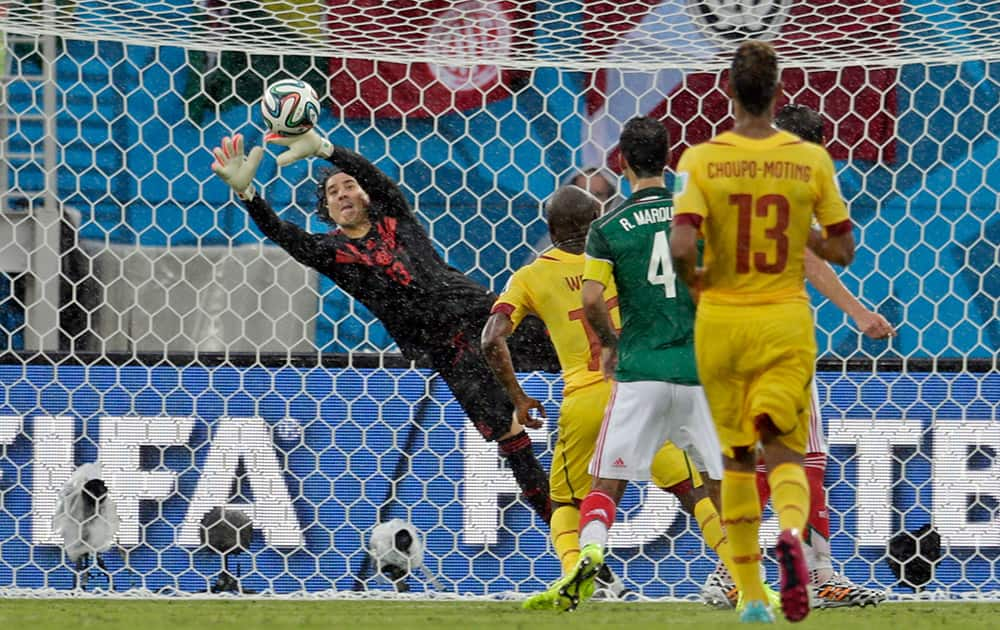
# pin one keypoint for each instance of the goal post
(203, 368)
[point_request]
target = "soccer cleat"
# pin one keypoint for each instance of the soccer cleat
(756, 612)
(840, 592)
(773, 598)
(578, 586)
(719, 592)
(546, 600)
(794, 576)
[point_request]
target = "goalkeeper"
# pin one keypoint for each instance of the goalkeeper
(379, 254)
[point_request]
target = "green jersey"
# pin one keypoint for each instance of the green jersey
(631, 243)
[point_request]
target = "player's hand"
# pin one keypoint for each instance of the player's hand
(234, 167)
(308, 144)
(522, 412)
(609, 362)
(874, 325)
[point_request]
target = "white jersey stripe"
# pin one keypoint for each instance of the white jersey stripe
(596, 472)
(817, 436)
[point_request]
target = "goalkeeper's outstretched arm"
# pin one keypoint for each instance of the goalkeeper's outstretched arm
(307, 248)
(237, 169)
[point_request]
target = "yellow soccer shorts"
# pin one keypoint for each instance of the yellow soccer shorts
(580, 419)
(756, 360)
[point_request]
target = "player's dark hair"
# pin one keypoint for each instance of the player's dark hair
(645, 145)
(802, 120)
(321, 210)
(754, 76)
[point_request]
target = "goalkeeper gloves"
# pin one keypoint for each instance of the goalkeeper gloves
(308, 144)
(234, 167)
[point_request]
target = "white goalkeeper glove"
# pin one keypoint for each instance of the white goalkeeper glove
(234, 167)
(308, 144)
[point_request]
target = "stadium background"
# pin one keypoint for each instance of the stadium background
(923, 192)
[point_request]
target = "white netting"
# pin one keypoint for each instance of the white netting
(687, 34)
(128, 263)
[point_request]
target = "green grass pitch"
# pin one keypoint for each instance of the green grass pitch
(97, 614)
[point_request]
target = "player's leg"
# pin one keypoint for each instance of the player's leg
(674, 472)
(597, 513)
(580, 422)
(720, 357)
(778, 399)
(580, 419)
(831, 589)
(484, 401)
(630, 436)
(817, 534)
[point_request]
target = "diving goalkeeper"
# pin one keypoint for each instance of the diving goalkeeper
(379, 254)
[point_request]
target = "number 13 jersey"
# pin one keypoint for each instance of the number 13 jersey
(631, 246)
(755, 202)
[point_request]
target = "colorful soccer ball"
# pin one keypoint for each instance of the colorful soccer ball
(290, 107)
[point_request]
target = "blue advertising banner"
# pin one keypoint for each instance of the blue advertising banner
(317, 457)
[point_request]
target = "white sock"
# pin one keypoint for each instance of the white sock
(594, 533)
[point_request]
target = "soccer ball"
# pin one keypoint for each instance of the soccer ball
(396, 548)
(737, 20)
(290, 107)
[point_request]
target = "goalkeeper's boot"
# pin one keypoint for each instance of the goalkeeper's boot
(794, 576)
(841, 592)
(756, 612)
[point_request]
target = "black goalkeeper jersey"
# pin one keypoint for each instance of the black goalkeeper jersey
(394, 270)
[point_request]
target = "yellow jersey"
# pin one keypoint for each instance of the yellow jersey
(550, 288)
(755, 203)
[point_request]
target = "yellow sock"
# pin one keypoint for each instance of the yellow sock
(790, 495)
(565, 528)
(711, 528)
(741, 518)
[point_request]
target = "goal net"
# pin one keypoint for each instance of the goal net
(146, 325)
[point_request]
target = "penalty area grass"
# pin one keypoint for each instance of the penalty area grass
(234, 614)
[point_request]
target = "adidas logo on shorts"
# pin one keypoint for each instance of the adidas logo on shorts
(618, 463)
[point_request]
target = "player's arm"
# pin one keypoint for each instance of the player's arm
(508, 311)
(237, 169)
(826, 281)
(595, 309)
(303, 246)
(690, 209)
(494, 342)
(598, 272)
(836, 245)
(835, 242)
(684, 252)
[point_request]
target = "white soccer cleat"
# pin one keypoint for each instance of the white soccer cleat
(719, 592)
(840, 592)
